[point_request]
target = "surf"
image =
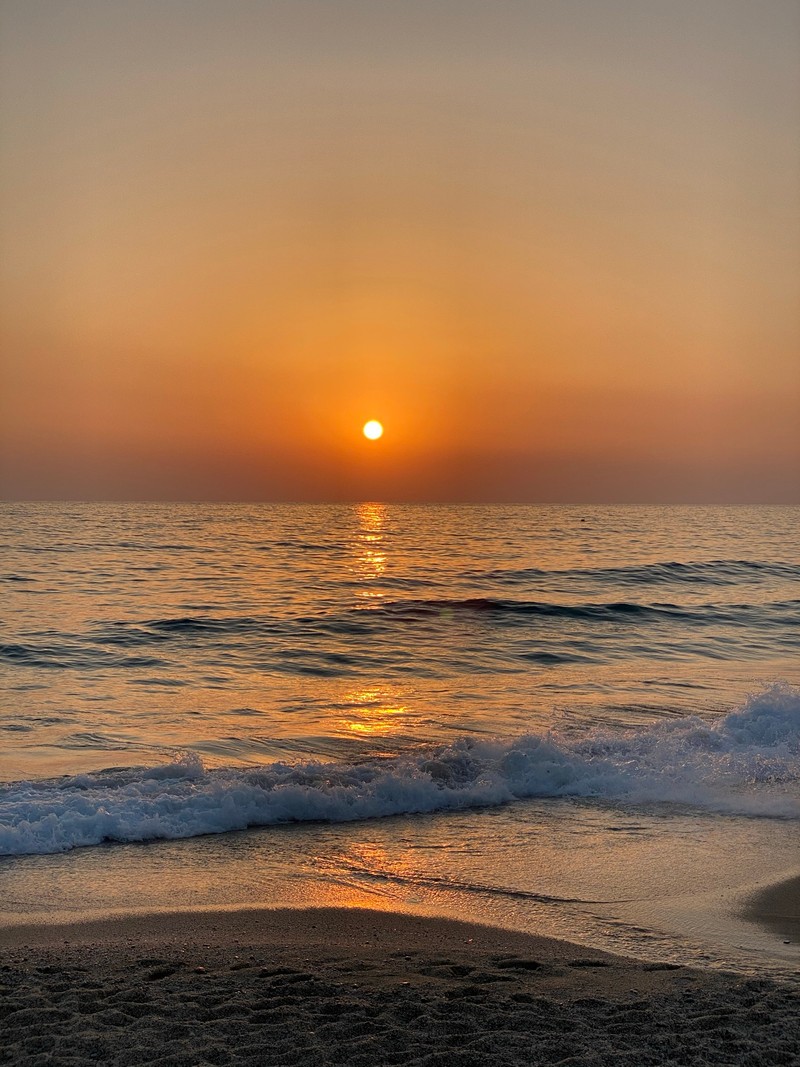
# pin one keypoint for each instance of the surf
(746, 762)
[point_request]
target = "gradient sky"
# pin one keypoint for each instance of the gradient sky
(553, 245)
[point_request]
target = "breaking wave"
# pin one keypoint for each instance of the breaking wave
(747, 762)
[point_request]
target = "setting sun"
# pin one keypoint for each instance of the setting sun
(373, 430)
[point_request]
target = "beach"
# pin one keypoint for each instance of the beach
(350, 986)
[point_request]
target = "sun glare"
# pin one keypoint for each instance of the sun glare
(373, 430)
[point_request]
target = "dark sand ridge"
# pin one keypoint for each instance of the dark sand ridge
(351, 987)
(778, 909)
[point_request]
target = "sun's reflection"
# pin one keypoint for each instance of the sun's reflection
(370, 549)
(365, 875)
(371, 517)
(373, 711)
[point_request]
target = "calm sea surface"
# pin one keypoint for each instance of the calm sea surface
(553, 702)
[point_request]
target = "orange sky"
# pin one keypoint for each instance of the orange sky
(553, 246)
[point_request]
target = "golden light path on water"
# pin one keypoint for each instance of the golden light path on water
(374, 709)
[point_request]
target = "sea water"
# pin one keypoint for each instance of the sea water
(580, 721)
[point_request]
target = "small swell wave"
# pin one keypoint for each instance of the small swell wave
(747, 762)
(49, 656)
(499, 606)
(610, 611)
(706, 572)
(330, 641)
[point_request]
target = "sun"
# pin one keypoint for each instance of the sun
(373, 430)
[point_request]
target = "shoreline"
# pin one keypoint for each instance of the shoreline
(314, 929)
(352, 987)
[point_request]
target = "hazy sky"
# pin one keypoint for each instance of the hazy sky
(553, 245)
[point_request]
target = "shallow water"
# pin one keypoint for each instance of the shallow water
(596, 701)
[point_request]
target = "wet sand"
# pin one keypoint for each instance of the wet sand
(351, 987)
(777, 908)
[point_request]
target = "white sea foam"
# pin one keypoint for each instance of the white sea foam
(747, 762)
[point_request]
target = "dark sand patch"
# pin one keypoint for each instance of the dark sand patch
(341, 987)
(777, 908)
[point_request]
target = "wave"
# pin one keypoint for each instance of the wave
(379, 635)
(69, 656)
(707, 572)
(777, 611)
(747, 762)
(360, 619)
(499, 606)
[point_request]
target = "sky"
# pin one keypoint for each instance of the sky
(553, 246)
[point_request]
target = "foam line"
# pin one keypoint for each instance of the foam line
(747, 762)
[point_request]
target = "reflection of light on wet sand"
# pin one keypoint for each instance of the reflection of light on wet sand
(365, 875)
(373, 711)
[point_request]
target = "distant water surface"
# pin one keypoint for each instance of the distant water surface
(250, 633)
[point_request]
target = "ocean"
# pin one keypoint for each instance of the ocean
(578, 721)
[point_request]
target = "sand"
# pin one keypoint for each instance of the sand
(778, 909)
(351, 987)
